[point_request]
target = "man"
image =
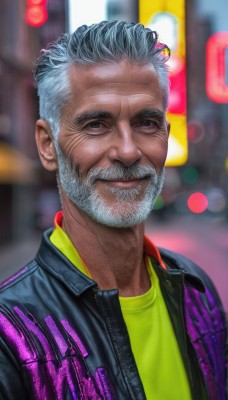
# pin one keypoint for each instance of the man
(101, 313)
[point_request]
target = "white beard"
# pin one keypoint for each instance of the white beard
(127, 210)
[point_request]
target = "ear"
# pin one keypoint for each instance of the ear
(45, 145)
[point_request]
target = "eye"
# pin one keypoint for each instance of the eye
(148, 123)
(95, 125)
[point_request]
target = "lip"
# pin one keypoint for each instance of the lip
(124, 183)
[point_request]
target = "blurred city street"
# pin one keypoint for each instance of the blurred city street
(203, 240)
(108, 109)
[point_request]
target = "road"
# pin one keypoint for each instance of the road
(203, 240)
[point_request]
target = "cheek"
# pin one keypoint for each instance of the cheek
(87, 155)
(159, 159)
(156, 152)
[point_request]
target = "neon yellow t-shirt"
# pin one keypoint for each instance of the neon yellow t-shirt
(152, 338)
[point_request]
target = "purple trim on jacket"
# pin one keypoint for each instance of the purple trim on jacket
(206, 329)
(50, 355)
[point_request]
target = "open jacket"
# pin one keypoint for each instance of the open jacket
(61, 337)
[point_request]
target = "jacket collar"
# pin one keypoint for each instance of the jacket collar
(169, 264)
(53, 261)
(191, 272)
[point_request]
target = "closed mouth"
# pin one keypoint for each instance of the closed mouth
(124, 182)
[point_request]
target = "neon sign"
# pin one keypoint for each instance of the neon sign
(216, 85)
(168, 19)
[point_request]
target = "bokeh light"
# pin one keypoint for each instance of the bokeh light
(197, 203)
(190, 175)
(36, 16)
(159, 203)
(216, 200)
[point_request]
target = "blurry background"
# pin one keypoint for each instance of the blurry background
(191, 215)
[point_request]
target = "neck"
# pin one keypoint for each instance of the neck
(113, 256)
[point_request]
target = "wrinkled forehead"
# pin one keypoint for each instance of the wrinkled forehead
(124, 78)
(122, 72)
(107, 86)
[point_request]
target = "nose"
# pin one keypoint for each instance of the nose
(124, 147)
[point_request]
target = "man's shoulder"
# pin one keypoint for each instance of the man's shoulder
(19, 277)
(179, 261)
(194, 273)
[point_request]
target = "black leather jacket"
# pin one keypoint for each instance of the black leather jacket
(63, 338)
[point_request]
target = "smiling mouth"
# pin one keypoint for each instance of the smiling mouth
(125, 183)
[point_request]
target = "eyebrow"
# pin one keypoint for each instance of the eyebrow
(91, 115)
(152, 113)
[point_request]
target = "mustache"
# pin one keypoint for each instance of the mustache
(121, 172)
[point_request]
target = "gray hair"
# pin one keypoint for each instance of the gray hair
(105, 42)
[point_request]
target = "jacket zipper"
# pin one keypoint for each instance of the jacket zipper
(119, 356)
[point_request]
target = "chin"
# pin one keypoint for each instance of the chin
(117, 219)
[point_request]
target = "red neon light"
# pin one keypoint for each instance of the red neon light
(216, 87)
(197, 203)
(177, 97)
(36, 16)
(31, 3)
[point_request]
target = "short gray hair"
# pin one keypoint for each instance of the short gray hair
(105, 42)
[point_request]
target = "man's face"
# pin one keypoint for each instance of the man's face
(113, 142)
